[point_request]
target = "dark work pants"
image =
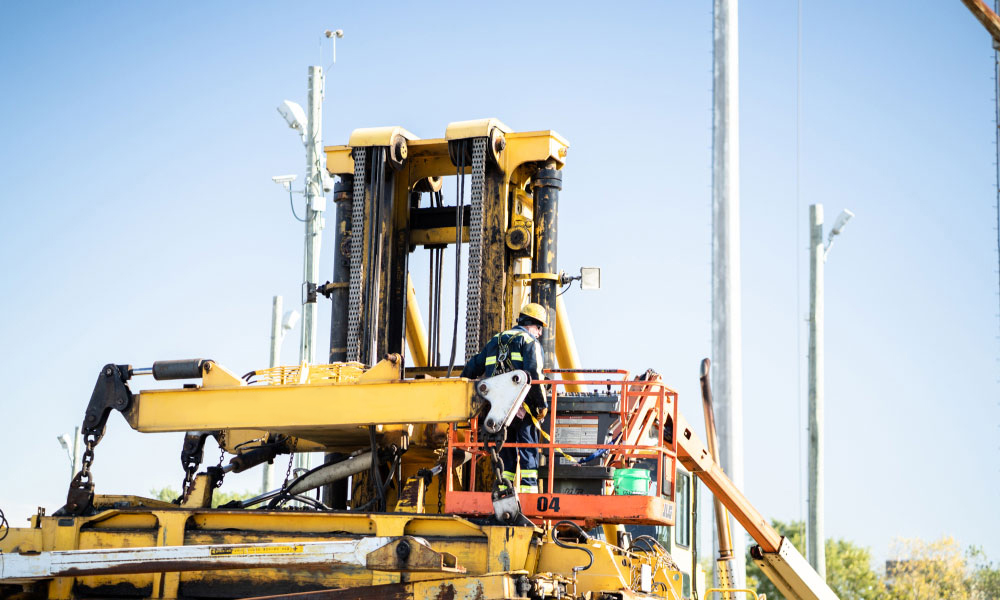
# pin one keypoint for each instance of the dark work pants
(522, 431)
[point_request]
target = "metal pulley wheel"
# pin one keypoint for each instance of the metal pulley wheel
(497, 144)
(428, 184)
(518, 238)
(397, 152)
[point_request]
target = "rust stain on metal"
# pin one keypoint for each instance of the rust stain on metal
(446, 591)
(409, 495)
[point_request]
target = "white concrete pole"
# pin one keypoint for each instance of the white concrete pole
(727, 372)
(77, 450)
(315, 207)
(277, 333)
(817, 256)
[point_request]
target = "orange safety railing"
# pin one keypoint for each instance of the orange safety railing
(643, 405)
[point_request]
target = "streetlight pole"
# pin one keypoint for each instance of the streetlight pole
(72, 448)
(817, 255)
(315, 207)
(818, 252)
(277, 334)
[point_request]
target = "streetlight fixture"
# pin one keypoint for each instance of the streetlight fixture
(71, 444)
(838, 226)
(293, 114)
(818, 252)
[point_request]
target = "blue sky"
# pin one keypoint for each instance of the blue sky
(140, 223)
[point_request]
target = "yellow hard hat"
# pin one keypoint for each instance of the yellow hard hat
(536, 312)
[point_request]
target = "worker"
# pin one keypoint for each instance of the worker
(518, 348)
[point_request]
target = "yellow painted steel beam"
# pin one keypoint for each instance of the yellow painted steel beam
(697, 459)
(429, 158)
(378, 136)
(534, 146)
(986, 16)
(436, 236)
(309, 407)
(566, 354)
(416, 333)
(475, 128)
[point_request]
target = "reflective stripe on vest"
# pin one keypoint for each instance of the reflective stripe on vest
(491, 360)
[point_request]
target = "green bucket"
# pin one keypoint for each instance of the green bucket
(632, 482)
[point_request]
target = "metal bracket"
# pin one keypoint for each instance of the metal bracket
(505, 393)
(411, 555)
(110, 392)
(329, 287)
(535, 276)
(506, 506)
(193, 449)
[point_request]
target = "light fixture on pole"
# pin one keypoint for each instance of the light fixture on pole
(71, 444)
(818, 252)
(293, 114)
(838, 226)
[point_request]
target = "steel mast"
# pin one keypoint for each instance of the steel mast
(726, 301)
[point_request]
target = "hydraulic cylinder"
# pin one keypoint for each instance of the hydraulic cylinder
(544, 284)
(341, 270)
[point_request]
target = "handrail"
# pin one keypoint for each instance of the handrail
(648, 402)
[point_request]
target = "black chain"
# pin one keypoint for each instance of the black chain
(493, 444)
(222, 455)
(80, 497)
(90, 441)
(291, 459)
(441, 477)
(189, 470)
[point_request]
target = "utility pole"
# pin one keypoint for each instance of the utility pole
(815, 538)
(315, 207)
(817, 254)
(72, 448)
(267, 484)
(727, 376)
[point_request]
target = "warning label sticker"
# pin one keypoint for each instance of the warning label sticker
(576, 430)
(253, 550)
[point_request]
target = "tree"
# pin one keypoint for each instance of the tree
(984, 579)
(922, 570)
(169, 494)
(848, 567)
(849, 571)
(795, 532)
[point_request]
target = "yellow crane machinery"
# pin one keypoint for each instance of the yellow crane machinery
(411, 500)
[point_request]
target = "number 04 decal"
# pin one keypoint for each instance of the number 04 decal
(544, 504)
